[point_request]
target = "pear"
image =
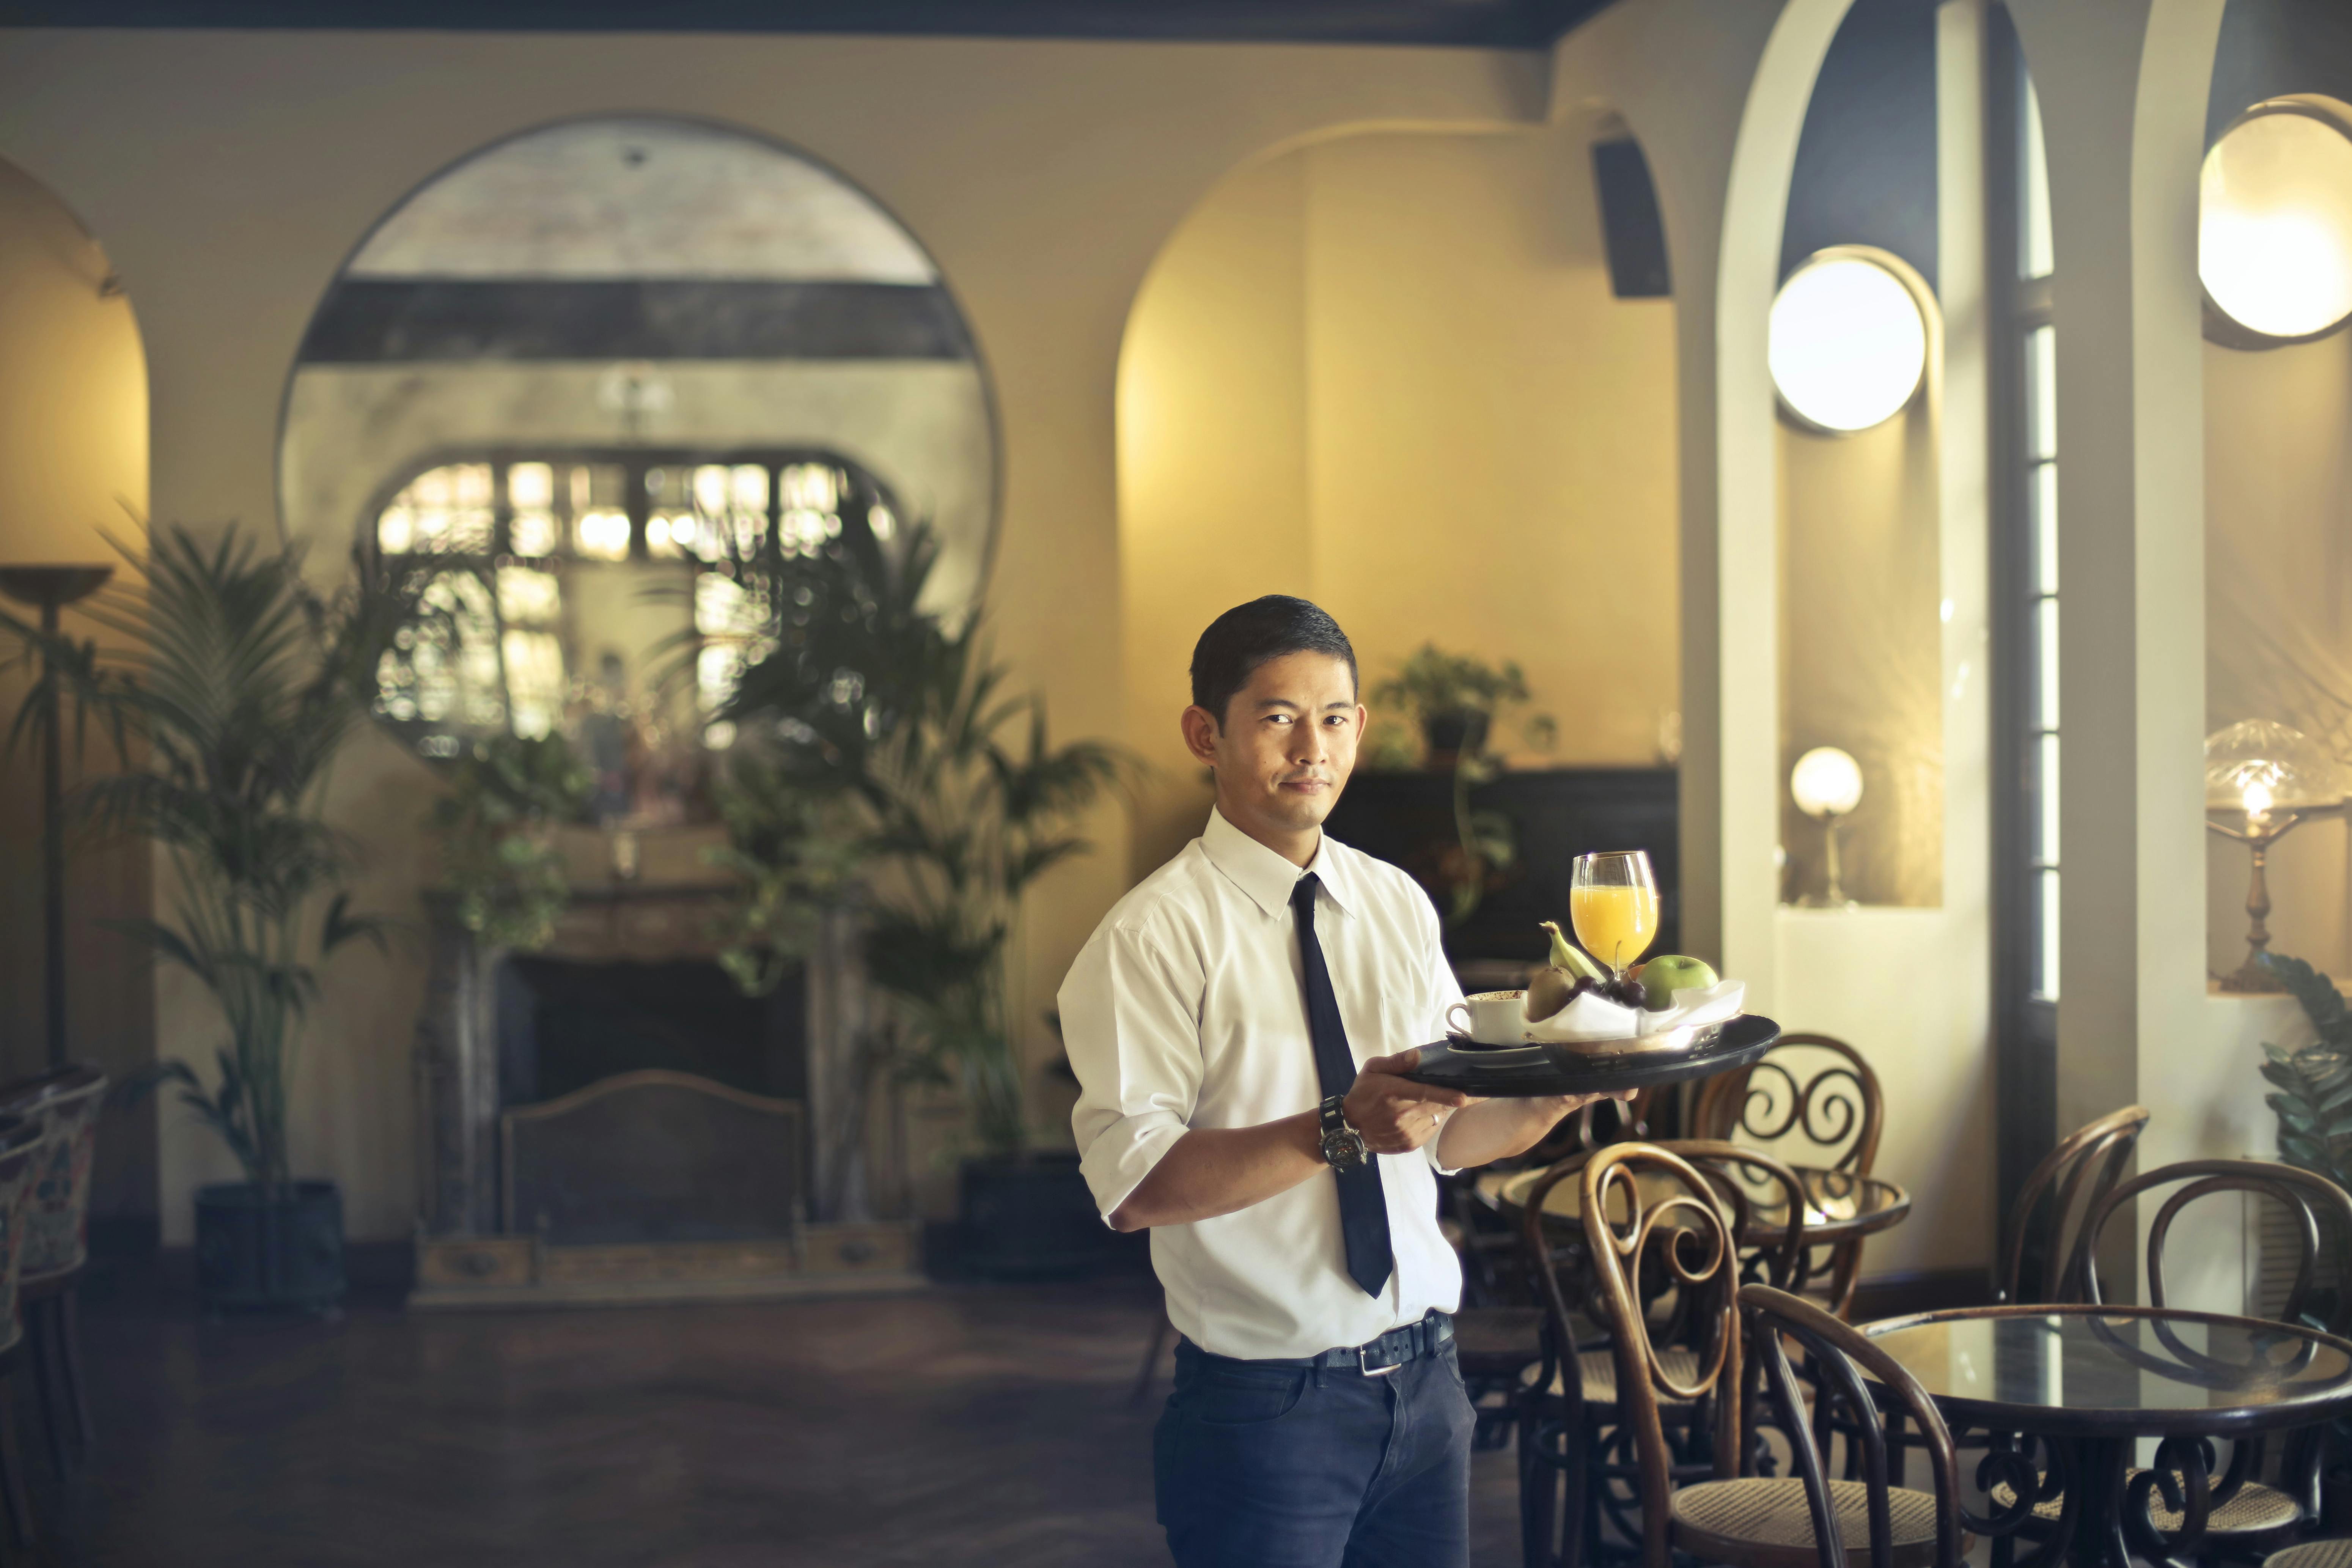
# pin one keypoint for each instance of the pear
(1549, 991)
(1567, 955)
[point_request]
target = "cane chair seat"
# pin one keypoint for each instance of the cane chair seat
(1764, 1522)
(2254, 1510)
(2313, 1554)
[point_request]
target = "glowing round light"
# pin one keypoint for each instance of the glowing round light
(1826, 782)
(2274, 225)
(1847, 343)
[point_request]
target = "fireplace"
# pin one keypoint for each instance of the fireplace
(611, 1120)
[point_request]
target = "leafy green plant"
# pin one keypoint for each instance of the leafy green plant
(1454, 697)
(954, 797)
(1435, 686)
(506, 795)
(234, 685)
(796, 853)
(2314, 1102)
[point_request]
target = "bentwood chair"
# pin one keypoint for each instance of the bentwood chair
(66, 1101)
(21, 1148)
(2313, 1554)
(2076, 1174)
(1839, 1109)
(2244, 1516)
(1898, 1526)
(1578, 1463)
(1681, 1226)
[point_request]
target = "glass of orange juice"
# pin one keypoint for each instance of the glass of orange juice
(1612, 903)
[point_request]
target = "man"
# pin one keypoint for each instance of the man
(1238, 1023)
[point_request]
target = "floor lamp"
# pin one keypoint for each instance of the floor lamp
(51, 588)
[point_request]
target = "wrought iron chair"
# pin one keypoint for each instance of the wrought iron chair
(1577, 1437)
(1839, 1110)
(1748, 1521)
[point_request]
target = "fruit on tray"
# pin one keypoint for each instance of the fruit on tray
(1668, 973)
(1565, 955)
(1572, 974)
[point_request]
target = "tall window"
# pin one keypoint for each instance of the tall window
(567, 580)
(2022, 273)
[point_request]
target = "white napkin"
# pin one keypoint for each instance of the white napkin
(1592, 1016)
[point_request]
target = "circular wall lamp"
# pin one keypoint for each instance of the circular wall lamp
(2274, 223)
(1847, 341)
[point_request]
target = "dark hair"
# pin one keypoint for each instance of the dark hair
(1248, 636)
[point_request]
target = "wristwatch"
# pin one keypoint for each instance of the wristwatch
(1343, 1146)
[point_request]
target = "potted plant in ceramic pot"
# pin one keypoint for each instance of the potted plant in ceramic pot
(234, 686)
(958, 803)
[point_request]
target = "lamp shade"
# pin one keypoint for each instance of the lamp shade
(2274, 222)
(1847, 343)
(1826, 782)
(2259, 766)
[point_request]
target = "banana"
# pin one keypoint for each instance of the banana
(1566, 954)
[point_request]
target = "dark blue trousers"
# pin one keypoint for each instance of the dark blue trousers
(1275, 1467)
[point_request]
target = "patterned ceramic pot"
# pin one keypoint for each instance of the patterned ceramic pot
(65, 1103)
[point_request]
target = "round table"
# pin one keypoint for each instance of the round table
(2083, 1384)
(1839, 1205)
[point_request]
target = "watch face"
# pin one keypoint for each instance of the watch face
(1343, 1149)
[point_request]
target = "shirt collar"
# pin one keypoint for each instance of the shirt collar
(1266, 876)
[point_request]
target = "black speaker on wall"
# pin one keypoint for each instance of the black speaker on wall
(1630, 224)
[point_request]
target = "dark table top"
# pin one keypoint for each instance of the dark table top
(2119, 1371)
(1839, 1205)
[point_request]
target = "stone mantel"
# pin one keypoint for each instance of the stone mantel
(457, 1041)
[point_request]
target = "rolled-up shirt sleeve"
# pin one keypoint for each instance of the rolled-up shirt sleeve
(1131, 1022)
(1441, 991)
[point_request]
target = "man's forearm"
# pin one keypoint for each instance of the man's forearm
(1214, 1171)
(1496, 1129)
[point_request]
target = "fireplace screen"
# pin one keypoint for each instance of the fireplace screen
(654, 1156)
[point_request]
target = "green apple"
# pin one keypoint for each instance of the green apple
(1671, 972)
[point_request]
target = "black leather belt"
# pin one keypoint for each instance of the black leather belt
(1386, 1353)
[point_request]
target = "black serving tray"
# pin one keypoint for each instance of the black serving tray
(1503, 1072)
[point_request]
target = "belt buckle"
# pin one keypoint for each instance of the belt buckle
(1364, 1353)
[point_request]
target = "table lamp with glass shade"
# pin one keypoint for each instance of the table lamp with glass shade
(2261, 779)
(1826, 783)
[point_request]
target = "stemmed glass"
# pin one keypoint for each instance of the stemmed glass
(1612, 903)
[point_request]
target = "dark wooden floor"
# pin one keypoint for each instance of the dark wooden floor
(972, 1426)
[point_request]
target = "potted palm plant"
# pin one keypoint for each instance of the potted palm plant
(234, 685)
(957, 801)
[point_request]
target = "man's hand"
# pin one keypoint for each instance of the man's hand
(1499, 1129)
(1395, 1115)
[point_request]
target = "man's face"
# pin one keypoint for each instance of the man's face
(1288, 743)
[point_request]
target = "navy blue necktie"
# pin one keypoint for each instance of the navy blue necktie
(1363, 1208)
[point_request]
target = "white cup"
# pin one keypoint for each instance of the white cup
(1495, 1017)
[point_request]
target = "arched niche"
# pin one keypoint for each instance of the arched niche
(2278, 422)
(591, 359)
(73, 471)
(1859, 530)
(1388, 371)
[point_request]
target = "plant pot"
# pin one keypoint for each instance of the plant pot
(1449, 736)
(287, 1252)
(1032, 1216)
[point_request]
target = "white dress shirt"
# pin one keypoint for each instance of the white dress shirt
(1188, 1008)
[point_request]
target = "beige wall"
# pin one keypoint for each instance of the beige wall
(1861, 653)
(1386, 371)
(232, 172)
(73, 461)
(2278, 488)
